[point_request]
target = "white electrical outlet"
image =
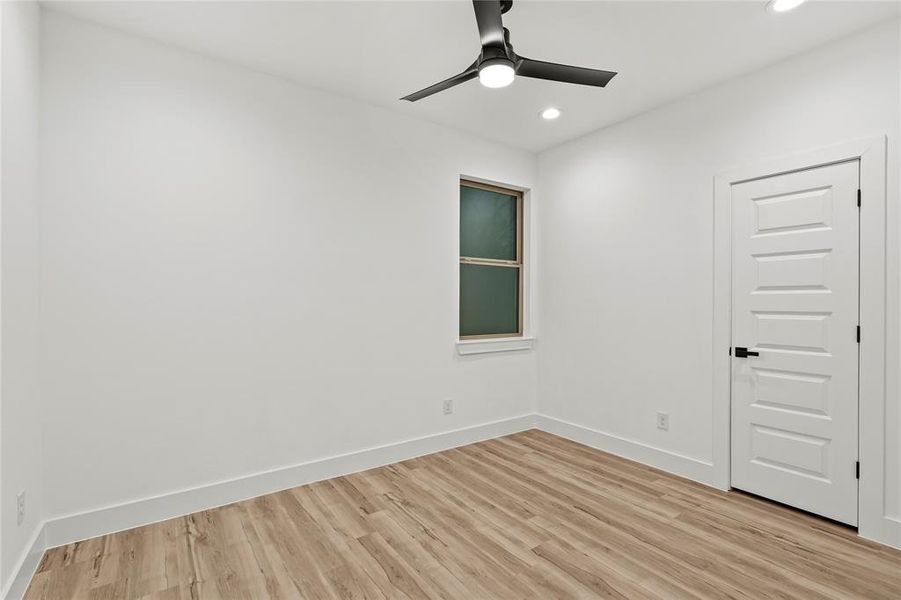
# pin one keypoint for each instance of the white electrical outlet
(663, 421)
(20, 508)
(448, 406)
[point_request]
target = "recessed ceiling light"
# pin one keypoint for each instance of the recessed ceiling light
(550, 113)
(783, 5)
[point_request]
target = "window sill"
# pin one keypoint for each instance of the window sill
(489, 345)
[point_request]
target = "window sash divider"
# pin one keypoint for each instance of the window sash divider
(491, 262)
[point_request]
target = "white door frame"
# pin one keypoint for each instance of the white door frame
(871, 151)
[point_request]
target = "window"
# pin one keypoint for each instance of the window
(490, 261)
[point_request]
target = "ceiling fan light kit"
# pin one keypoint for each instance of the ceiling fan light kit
(496, 73)
(498, 65)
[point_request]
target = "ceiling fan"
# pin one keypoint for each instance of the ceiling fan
(497, 64)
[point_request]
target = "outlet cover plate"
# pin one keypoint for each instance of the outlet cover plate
(663, 421)
(20, 508)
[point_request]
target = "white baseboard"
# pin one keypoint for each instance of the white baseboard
(677, 464)
(71, 528)
(15, 587)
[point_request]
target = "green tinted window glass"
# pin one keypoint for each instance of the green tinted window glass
(489, 300)
(487, 224)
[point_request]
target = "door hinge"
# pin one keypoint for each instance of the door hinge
(858, 197)
(730, 350)
(857, 470)
(858, 334)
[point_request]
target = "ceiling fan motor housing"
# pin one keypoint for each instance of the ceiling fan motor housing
(492, 55)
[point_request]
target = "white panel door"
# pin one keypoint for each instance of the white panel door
(795, 302)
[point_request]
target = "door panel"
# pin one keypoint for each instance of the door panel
(795, 301)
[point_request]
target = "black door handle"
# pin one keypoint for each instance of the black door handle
(744, 352)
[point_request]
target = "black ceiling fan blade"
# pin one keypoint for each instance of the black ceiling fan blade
(538, 69)
(488, 18)
(471, 72)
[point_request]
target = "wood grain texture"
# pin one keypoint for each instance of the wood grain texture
(525, 516)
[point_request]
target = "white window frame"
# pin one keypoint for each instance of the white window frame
(523, 339)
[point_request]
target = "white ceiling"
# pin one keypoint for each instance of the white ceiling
(380, 51)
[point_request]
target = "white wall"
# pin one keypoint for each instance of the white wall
(627, 239)
(20, 416)
(227, 287)
(240, 273)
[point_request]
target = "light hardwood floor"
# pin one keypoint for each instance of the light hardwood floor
(526, 516)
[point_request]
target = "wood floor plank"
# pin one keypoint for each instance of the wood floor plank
(529, 515)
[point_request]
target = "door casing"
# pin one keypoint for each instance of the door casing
(871, 152)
